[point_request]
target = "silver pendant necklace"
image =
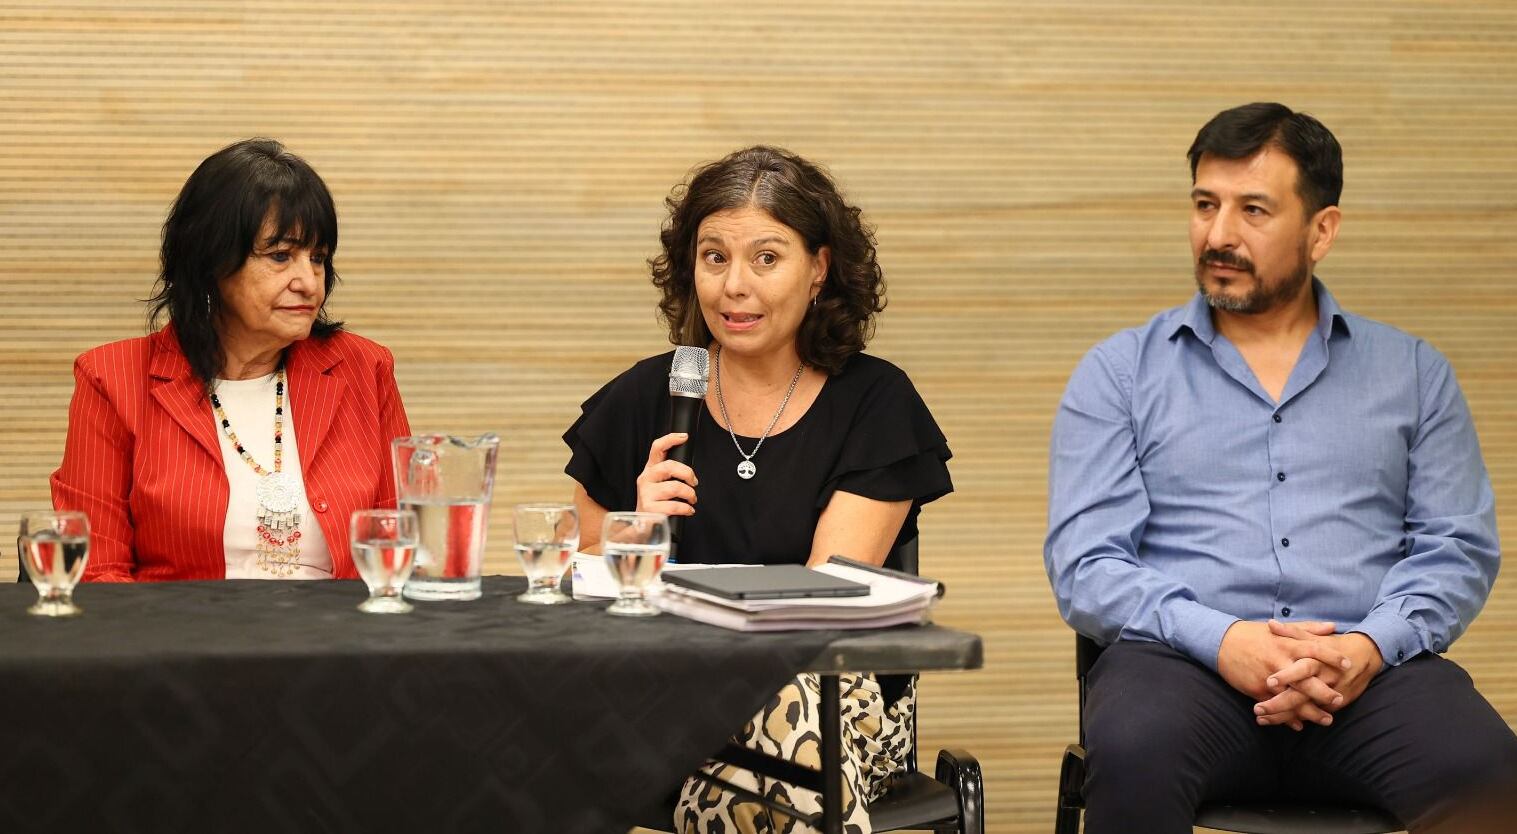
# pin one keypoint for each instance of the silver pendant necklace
(746, 469)
(278, 492)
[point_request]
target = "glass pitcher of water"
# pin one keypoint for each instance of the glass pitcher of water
(447, 481)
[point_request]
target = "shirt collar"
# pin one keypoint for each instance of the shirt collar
(1196, 316)
(1329, 314)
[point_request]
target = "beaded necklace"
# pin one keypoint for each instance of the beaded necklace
(278, 523)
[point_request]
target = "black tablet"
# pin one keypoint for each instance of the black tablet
(766, 582)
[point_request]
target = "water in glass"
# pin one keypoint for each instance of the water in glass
(635, 547)
(384, 550)
(452, 548)
(54, 547)
(448, 482)
(547, 536)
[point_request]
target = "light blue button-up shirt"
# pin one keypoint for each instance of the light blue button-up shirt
(1183, 498)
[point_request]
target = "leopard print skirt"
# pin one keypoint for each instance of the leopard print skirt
(876, 741)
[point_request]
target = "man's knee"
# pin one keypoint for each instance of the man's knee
(1139, 777)
(1161, 731)
(1141, 738)
(1153, 713)
(1455, 730)
(1475, 767)
(1456, 751)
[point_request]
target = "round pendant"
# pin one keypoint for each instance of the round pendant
(277, 492)
(746, 470)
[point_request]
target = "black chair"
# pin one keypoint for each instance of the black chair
(1270, 818)
(953, 798)
(951, 801)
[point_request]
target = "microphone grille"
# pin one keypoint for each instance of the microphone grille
(688, 372)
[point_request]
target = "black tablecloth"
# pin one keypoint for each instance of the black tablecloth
(276, 706)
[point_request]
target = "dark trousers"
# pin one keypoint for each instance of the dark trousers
(1164, 734)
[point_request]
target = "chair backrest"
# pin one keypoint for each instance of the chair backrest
(1087, 651)
(904, 558)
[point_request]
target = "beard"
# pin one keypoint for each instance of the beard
(1265, 294)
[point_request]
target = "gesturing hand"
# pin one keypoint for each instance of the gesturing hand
(666, 486)
(1305, 686)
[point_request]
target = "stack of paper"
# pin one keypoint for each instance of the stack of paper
(593, 580)
(893, 599)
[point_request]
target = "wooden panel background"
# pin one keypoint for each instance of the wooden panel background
(499, 169)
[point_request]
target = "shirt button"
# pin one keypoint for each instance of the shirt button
(1400, 655)
(1280, 476)
(1277, 418)
(319, 506)
(1285, 542)
(1286, 611)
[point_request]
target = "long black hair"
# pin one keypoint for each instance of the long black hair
(213, 228)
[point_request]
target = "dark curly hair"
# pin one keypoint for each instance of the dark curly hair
(802, 196)
(212, 228)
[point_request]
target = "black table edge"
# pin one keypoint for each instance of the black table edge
(901, 650)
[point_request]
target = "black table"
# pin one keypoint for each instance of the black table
(276, 706)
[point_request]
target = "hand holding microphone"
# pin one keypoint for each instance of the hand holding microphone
(667, 483)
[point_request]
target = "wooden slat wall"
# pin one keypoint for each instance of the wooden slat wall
(500, 167)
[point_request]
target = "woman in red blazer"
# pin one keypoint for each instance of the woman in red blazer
(210, 447)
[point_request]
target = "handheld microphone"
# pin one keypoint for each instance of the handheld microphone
(687, 396)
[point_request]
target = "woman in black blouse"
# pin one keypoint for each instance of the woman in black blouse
(807, 447)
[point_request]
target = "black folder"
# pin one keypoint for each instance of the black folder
(766, 582)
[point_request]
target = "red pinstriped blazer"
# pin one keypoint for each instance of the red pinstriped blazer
(144, 462)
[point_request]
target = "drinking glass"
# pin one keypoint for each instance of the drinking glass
(547, 536)
(384, 550)
(635, 546)
(54, 548)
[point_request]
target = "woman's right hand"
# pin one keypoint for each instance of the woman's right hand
(666, 486)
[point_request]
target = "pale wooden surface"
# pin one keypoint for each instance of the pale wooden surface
(499, 169)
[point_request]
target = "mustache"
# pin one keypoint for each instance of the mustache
(1228, 258)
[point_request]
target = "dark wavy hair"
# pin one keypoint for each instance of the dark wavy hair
(213, 227)
(802, 196)
(1240, 132)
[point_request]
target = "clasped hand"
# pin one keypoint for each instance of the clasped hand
(1297, 672)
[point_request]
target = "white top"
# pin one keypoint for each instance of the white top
(249, 406)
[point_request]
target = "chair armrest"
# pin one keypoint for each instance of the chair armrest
(961, 771)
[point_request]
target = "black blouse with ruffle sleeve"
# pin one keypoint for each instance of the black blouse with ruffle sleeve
(867, 433)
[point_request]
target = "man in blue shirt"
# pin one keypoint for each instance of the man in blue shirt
(1276, 514)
